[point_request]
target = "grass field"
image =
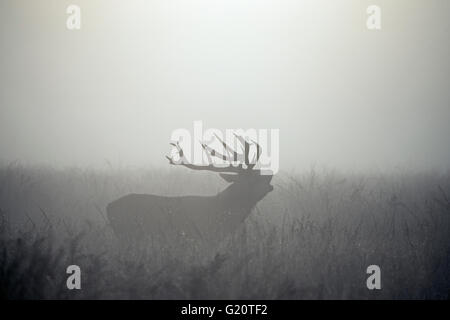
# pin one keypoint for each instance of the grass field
(311, 238)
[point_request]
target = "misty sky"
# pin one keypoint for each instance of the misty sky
(341, 95)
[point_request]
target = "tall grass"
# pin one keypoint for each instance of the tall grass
(311, 238)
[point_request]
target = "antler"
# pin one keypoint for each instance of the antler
(231, 156)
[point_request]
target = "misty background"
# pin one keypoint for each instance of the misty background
(113, 92)
(86, 118)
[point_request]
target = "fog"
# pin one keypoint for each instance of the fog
(113, 92)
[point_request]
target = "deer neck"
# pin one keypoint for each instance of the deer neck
(237, 200)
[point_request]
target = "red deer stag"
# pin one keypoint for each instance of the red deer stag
(208, 219)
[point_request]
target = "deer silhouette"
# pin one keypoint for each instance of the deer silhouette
(208, 219)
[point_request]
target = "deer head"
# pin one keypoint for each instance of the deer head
(248, 185)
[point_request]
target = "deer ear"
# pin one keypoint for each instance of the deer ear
(229, 177)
